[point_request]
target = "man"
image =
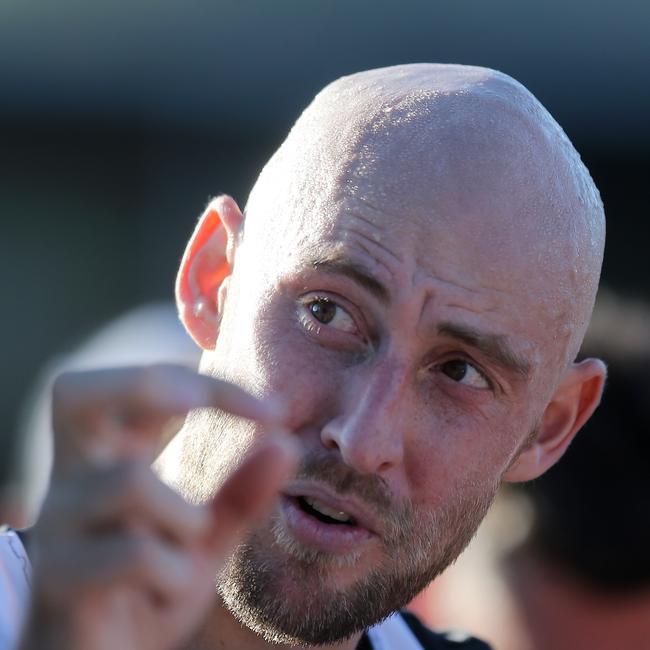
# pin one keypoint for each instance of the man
(412, 279)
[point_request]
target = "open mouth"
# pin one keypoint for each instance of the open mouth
(324, 513)
(319, 523)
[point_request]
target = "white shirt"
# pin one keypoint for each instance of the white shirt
(393, 633)
(15, 588)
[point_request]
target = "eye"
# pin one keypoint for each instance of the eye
(463, 372)
(327, 312)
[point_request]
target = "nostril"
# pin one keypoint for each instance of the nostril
(331, 444)
(384, 467)
(329, 436)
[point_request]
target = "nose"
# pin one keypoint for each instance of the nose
(369, 432)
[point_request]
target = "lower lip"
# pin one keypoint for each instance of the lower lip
(332, 538)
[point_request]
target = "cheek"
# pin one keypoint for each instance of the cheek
(290, 365)
(459, 451)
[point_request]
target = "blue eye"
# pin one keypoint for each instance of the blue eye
(463, 372)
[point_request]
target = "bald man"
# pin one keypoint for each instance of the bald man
(410, 284)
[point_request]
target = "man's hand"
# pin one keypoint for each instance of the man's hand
(122, 561)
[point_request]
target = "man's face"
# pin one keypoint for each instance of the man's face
(410, 363)
(417, 267)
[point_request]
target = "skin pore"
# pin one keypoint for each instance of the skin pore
(413, 277)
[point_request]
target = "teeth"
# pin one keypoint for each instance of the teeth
(328, 512)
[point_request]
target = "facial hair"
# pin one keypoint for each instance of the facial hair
(417, 546)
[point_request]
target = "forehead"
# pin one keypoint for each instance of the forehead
(433, 270)
(458, 173)
(461, 202)
(463, 227)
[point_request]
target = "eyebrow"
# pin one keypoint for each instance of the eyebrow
(493, 346)
(356, 272)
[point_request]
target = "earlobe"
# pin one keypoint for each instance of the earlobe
(202, 281)
(572, 404)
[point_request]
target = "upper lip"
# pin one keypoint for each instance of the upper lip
(348, 504)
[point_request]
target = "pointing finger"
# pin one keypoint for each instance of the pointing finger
(251, 490)
(107, 414)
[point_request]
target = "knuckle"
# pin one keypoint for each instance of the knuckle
(144, 557)
(140, 384)
(130, 480)
(161, 378)
(148, 390)
(137, 552)
(117, 488)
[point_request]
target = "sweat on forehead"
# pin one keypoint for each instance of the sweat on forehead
(450, 145)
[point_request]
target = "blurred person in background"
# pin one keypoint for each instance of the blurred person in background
(147, 334)
(144, 335)
(473, 593)
(414, 276)
(582, 577)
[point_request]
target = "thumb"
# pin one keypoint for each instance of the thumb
(251, 490)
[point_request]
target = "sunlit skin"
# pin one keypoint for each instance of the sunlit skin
(412, 281)
(413, 277)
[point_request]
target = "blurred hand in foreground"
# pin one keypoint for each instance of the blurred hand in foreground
(121, 560)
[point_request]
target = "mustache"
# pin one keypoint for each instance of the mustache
(397, 516)
(344, 480)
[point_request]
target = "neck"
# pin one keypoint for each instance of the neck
(222, 631)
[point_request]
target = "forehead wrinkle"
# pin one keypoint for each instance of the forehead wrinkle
(366, 230)
(373, 239)
(435, 284)
(473, 310)
(375, 252)
(365, 202)
(378, 135)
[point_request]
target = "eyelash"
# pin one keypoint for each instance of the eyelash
(354, 336)
(313, 326)
(463, 358)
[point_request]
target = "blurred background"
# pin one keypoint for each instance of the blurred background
(119, 120)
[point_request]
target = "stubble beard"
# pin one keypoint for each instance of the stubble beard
(417, 547)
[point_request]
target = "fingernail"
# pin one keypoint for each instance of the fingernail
(276, 408)
(284, 442)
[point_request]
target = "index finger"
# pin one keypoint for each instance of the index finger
(113, 408)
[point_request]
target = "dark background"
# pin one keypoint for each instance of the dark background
(119, 120)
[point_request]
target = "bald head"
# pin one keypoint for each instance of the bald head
(466, 148)
(418, 265)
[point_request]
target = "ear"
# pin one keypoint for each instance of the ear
(202, 281)
(571, 406)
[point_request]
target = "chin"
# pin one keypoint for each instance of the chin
(308, 598)
(293, 582)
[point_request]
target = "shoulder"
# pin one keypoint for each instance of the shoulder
(441, 641)
(403, 631)
(17, 569)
